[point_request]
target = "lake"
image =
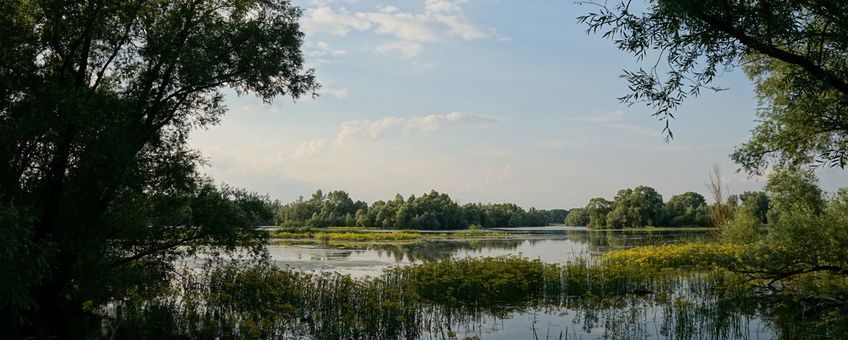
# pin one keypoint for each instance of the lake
(556, 244)
(689, 313)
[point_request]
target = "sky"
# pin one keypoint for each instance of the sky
(485, 100)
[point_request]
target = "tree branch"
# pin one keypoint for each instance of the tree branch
(154, 250)
(826, 76)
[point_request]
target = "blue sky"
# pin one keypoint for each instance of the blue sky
(486, 100)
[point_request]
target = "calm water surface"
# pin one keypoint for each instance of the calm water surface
(549, 244)
(701, 317)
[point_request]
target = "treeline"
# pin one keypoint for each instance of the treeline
(433, 210)
(643, 206)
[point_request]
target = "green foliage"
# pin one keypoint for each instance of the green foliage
(687, 209)
(693, 254)
(577, 217)
(554, 216)
(411, 302)
(743, 228)
(795, 51)
(98, 189)
(433, 211)
(754, 203)
(640, 207)
(792, 189)
(359, 235)
(334, 209)
(598, 208)
(270, 302)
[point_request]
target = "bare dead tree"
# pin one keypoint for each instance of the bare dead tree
(718, 212)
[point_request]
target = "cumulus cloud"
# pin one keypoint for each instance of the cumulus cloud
(309, 148)
(442, 6)
(372, 129)
(439, 20)
(324, 19)
(365, 129)
(376, 129)
(323, 49)
(435, 122)
(355, 131)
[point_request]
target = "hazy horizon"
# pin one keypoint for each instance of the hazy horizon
(487, 101)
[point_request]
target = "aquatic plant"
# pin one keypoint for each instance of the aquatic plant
(359, 235)
(703, 255)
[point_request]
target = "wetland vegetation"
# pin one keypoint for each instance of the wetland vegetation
(110, 230)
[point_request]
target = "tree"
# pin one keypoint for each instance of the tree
(808, 236)
(756, 203)
(97, 99)
(795, 51)
(577, 217)
(791, 189)
(597, 209)
(719, 213)
(686, 209)
(554, 216)
(637, 207)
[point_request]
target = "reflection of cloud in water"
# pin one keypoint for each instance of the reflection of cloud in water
(372, 258)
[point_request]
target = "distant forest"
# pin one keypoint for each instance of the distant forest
(638, 207)
(643, 206)
(433, 210)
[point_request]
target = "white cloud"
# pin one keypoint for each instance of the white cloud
(356, 130)
(309, 148)
(435, 122)
(372, 129)
(323, 49)
(337, 22)
(460, 27)
(403, 48)
(442, 6)
(338, 92)
(407, 26)
(439, 20)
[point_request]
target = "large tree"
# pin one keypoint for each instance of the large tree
(795, 51)
(98, 190)
(686, 209)
(638, 207)
(597, 209)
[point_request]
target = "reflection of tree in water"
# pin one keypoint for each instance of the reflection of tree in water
(694, 314)
(604, 240)
(426, 303)
(431, 251)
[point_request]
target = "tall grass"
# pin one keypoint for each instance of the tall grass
(409, 302)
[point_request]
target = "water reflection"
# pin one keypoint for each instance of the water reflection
(600, 241)
(547, 245)
(643, 318)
